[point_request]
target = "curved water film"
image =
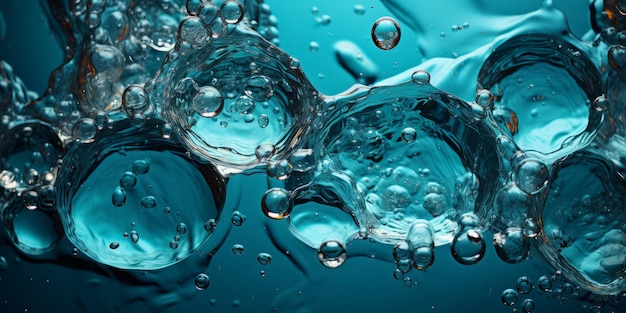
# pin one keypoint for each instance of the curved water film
(194, 154)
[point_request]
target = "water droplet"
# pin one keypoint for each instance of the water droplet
(166, 131)
(207, 102)
(386, 33)
(202, 281)
(114, 245)
(409, 134)
(332, 253)
(601, 103)
(148, 202)
(232, 11)
(237, 248)
(237, 218)
(119, 197)
(174, 244)
(509, 297)
(244, 104)
(325, 20)
(128, 180)
(524, 285)
(277, 203)
(84, 130)
(264, 258)
(401, 250)
(210, 225)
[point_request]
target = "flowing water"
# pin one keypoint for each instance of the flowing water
(175, 128)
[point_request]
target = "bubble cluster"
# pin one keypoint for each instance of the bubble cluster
(158, 104)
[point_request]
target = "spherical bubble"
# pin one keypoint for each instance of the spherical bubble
(114, 245)
(401, 250)
(244, 104)
(509, 297)
(166, 131)
(277, 203)
(237, 248)
(359, 9)
(141, 166)
(46, 197)
(134, 236)
(468, 247)
(279, 169)
(409, 134)
(106, 167)
(259, 88)
(531, 176)
(511, 245)
(386, 33)
(210, 225)
(524, 285)
(484, 98)
(325, 20)
(128, 180)
(232, 11)
(264, 258)
(32, 229)
(601, 103)
(314, 46)
(30, 199)
(84, 130)
(332, 253)
(207, 102)
(404, 265)
(237, 218)
(181, 229)
(265, 151)
(528, 306)
(420, 77)
(118, 198)
(134, 100)
(202, 281)
(423, 257)
(544, 283)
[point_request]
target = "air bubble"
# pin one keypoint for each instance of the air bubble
(544, 283)
(332, 253)
(359, 9)
(232, 11)
(128, 180)
(202, 281)
(84, 130)
(265, 151)
(263, 120)
(181, 228)
(207, 102)
(119, 196)
(420, 77)
(409, 134)
(134, 236)
(210, 225)
(141, 166)
(148, 202)
(524, 285)
(528, 305)
(264, 258)
(509, 297)
(259, 88)
(531, 176)
(386, 33)
(314, 46)
(237, 248)
(237, 218)
(31, 200)
(277, 203)
(601, 103)
(114, 245)
(468, 247)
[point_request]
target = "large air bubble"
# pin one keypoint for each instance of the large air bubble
(122, 184)
(381, 182)
(544, 90)
(583, 221)
(262, 98)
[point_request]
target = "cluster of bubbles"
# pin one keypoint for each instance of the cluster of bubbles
(129, 151)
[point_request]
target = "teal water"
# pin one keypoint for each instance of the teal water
(325, 157)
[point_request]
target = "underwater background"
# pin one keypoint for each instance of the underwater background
(312, 156)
